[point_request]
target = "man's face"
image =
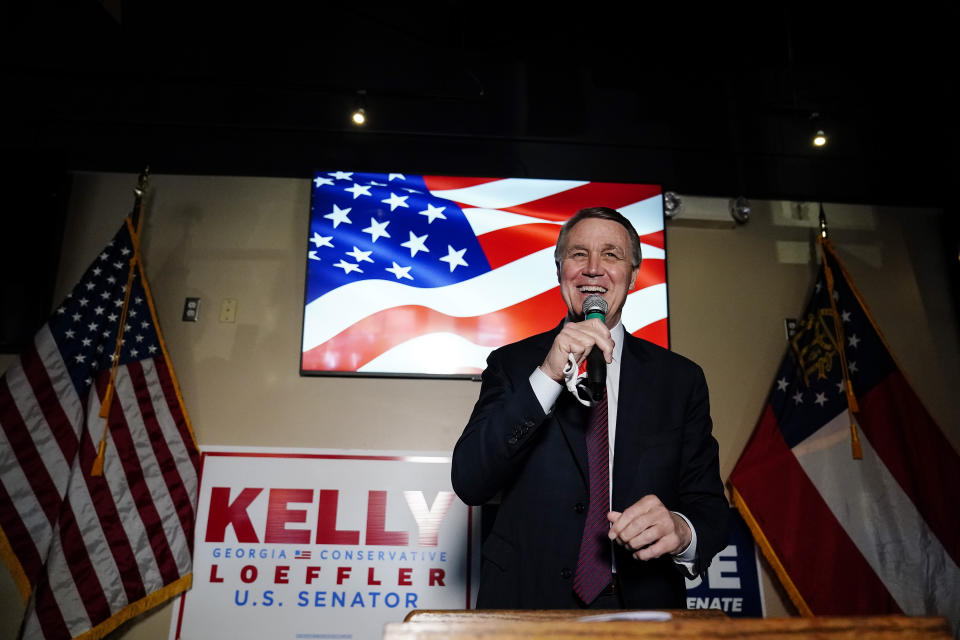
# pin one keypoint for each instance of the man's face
(596, 260)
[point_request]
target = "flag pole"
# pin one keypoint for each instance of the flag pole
(135, 221)
(856, 451)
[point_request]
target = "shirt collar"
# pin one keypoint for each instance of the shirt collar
(617, 333)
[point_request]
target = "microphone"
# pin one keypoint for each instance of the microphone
(596, 307)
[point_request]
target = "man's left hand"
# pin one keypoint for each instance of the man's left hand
(649, 529)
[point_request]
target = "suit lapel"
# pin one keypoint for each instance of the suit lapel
(634, 407)
(573, 418)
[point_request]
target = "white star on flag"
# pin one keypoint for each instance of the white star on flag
(853, 340)
(313, 255)
(415, 244)
(319, 182)
(341, 175)
(821, 399)
(339, 215)
(853, 367)
(845, 316)
(782, 384)
(360, 256)
(433, 213)
(798, 397)
(348, 267)
(398, 176)
(400, 272)
(454, 258)
(321, 241)
(396, 201)
(377, 229)
(359, 190)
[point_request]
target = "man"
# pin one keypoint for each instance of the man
(641, 460)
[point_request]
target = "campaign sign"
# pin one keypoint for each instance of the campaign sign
(732, 582)
(323, 544)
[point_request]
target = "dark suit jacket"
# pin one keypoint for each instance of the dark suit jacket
(537, 465)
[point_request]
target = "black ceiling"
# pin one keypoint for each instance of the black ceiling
(711, 99)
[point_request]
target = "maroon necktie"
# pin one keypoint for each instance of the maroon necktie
(593, 564)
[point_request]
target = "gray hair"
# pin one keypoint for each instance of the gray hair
(603, 213)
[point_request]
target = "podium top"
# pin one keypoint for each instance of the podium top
(556, 626)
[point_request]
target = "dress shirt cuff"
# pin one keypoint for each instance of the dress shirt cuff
(688, 556)
(545, 388)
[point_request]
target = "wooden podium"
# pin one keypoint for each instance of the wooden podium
(566, 625)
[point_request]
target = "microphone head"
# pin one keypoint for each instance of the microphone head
(594, 304)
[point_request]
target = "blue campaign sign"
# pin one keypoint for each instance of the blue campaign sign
(732, 582)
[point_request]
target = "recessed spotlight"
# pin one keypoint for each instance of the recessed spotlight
(819, 138)
(359, 116)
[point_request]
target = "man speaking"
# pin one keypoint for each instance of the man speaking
(608, 479)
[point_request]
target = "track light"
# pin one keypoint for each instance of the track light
(359, 115)
(819, 138)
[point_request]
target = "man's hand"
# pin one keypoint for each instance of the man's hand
(577, 338)
(649, 529)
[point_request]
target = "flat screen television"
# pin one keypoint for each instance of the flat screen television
(423, 276)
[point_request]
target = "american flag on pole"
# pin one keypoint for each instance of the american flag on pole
(848, 536)
(428, 274)
(91, 551)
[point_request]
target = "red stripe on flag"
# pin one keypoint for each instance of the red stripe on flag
(109, 517)
(445, 183)
(915, 451)
(21, 542)
(161, 450)
(48, 611)
(81, 567)
(27, 455)
(173, 404)
(652, 271)
(799, 526)
(49, 402)
(363, 341)
(127, 453)
(503, 246)
(656, 332)
(654, 239)
(561, 206)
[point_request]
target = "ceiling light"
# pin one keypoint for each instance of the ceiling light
(359, 115)
(819, 138)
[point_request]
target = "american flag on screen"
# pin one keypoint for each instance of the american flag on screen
(427, 274)
(91, 551)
